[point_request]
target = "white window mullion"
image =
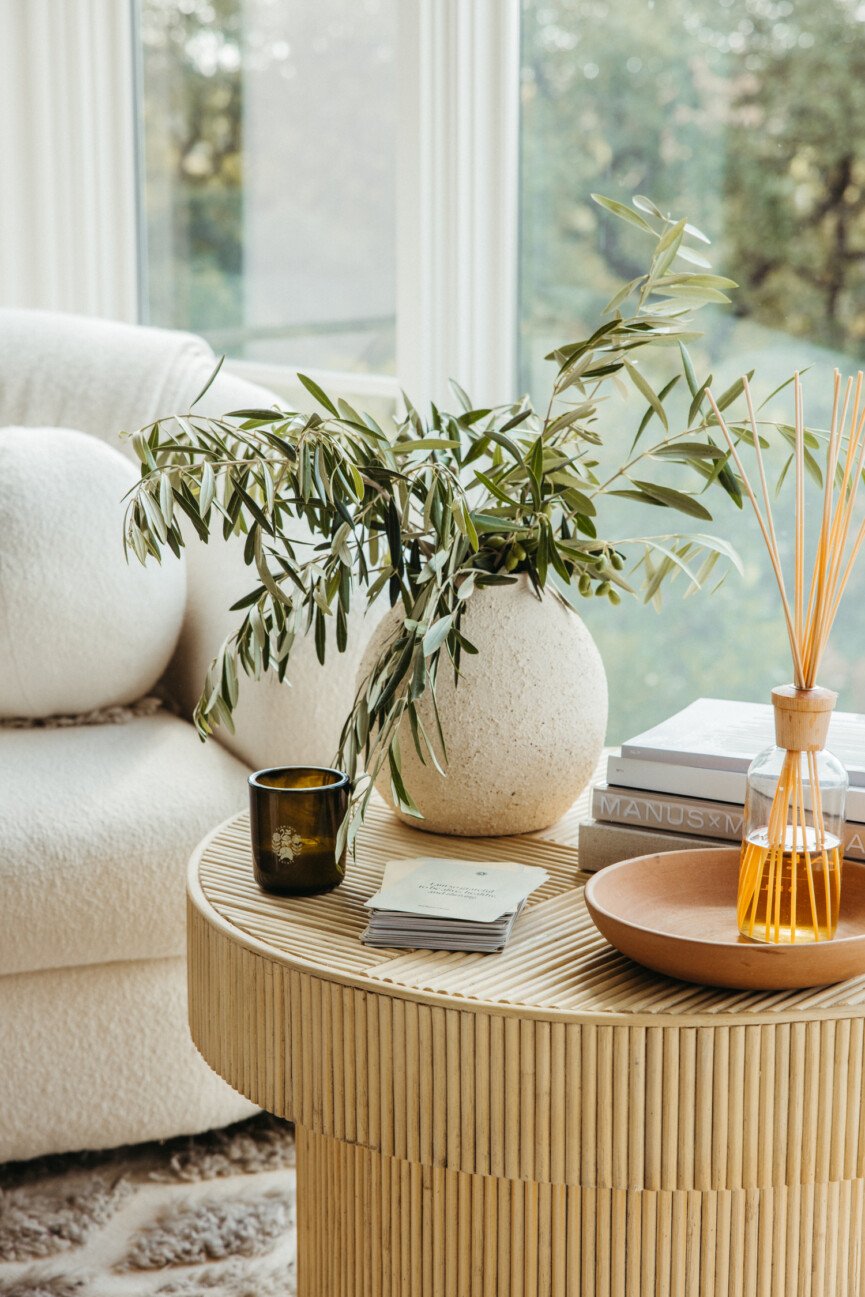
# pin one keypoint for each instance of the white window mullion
(67, 116)
(458, 194)
(68, 202)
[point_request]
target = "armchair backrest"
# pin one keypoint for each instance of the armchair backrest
(103, 378)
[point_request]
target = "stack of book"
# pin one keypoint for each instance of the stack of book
(682, 784)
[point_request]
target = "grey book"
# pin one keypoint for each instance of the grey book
(605, 844)
(693, 816)
(665, 812)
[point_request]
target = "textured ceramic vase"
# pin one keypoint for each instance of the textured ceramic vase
(525, 726)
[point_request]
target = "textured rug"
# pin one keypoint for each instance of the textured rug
(207, 1214)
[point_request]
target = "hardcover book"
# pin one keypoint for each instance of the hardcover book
(696, 817)
(698, 782)
(606, 844)
(722, 735)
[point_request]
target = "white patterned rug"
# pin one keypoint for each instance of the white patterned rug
(208, 1214)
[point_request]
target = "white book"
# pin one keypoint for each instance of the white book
(696, 781)
(722, 735)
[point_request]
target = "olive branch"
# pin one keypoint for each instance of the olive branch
(435, 508)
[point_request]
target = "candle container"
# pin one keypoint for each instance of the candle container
(790, 870)
(295, 813)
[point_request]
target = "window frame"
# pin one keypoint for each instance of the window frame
(68, 122)
(458, 204)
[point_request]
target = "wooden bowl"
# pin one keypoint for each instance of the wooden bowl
(676, 913)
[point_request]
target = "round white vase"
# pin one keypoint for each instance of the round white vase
(524, 727)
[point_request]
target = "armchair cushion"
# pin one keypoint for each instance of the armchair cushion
(81, 628)
(100, 1056)
(102, 377)
(97, 824)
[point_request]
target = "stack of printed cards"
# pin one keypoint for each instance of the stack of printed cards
(435, 904)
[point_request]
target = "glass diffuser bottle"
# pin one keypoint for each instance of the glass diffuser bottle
(790, 868)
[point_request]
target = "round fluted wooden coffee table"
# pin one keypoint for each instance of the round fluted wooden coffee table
(550, 1120)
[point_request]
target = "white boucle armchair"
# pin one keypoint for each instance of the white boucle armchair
(97, 821)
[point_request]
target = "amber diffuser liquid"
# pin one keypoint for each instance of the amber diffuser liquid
(789, 894)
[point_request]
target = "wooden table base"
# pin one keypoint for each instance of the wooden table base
(553, 1121)
(376, 1226)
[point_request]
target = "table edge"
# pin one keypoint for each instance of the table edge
(463, 1004)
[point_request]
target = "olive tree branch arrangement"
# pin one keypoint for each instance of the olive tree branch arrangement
(434, 508)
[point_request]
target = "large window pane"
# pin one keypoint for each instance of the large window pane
(268, 149)
(749, 117)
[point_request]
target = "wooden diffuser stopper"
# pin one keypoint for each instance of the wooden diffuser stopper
(802, 717)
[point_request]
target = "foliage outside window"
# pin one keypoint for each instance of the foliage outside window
(267, 161)
(750, 115)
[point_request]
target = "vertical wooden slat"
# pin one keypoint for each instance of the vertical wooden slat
(454, 1081)
(622, 1116)
(542, 1091)
(490, 1239)
(425, 1085)
(687, 1123)
(511, 1129)
(386, 1072)
(527, 1099)
(781, 1079)
(483, 1125)
(588, 1107)
(498, 1084)
(329, 1023)
(573, 1104)
(655, 1109)
(360, 1116)
(467, 1078)
(440, 1084)
(398, 1078)
(636, 1111)
(670, 1119)
(350, 1058)
(505, 1238)
(619, 1242)
(736, 1108)
(704, 1107)
(373, 1080)
(605, 1101)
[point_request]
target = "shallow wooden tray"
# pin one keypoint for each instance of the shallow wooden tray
(676, 913)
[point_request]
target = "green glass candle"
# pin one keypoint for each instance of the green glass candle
(294, 818)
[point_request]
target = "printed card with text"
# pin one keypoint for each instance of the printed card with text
(477, 891)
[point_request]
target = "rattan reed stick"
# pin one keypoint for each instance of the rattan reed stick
(809, 624)
(819, 573)
(766, 527)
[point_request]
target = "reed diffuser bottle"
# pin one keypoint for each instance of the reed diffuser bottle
(790, 867)
(790, 870)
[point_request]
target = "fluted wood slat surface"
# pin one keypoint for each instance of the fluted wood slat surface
(556, 960)
(551, 1120)
(444, 1233)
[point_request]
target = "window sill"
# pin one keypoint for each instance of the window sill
(379, 391)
